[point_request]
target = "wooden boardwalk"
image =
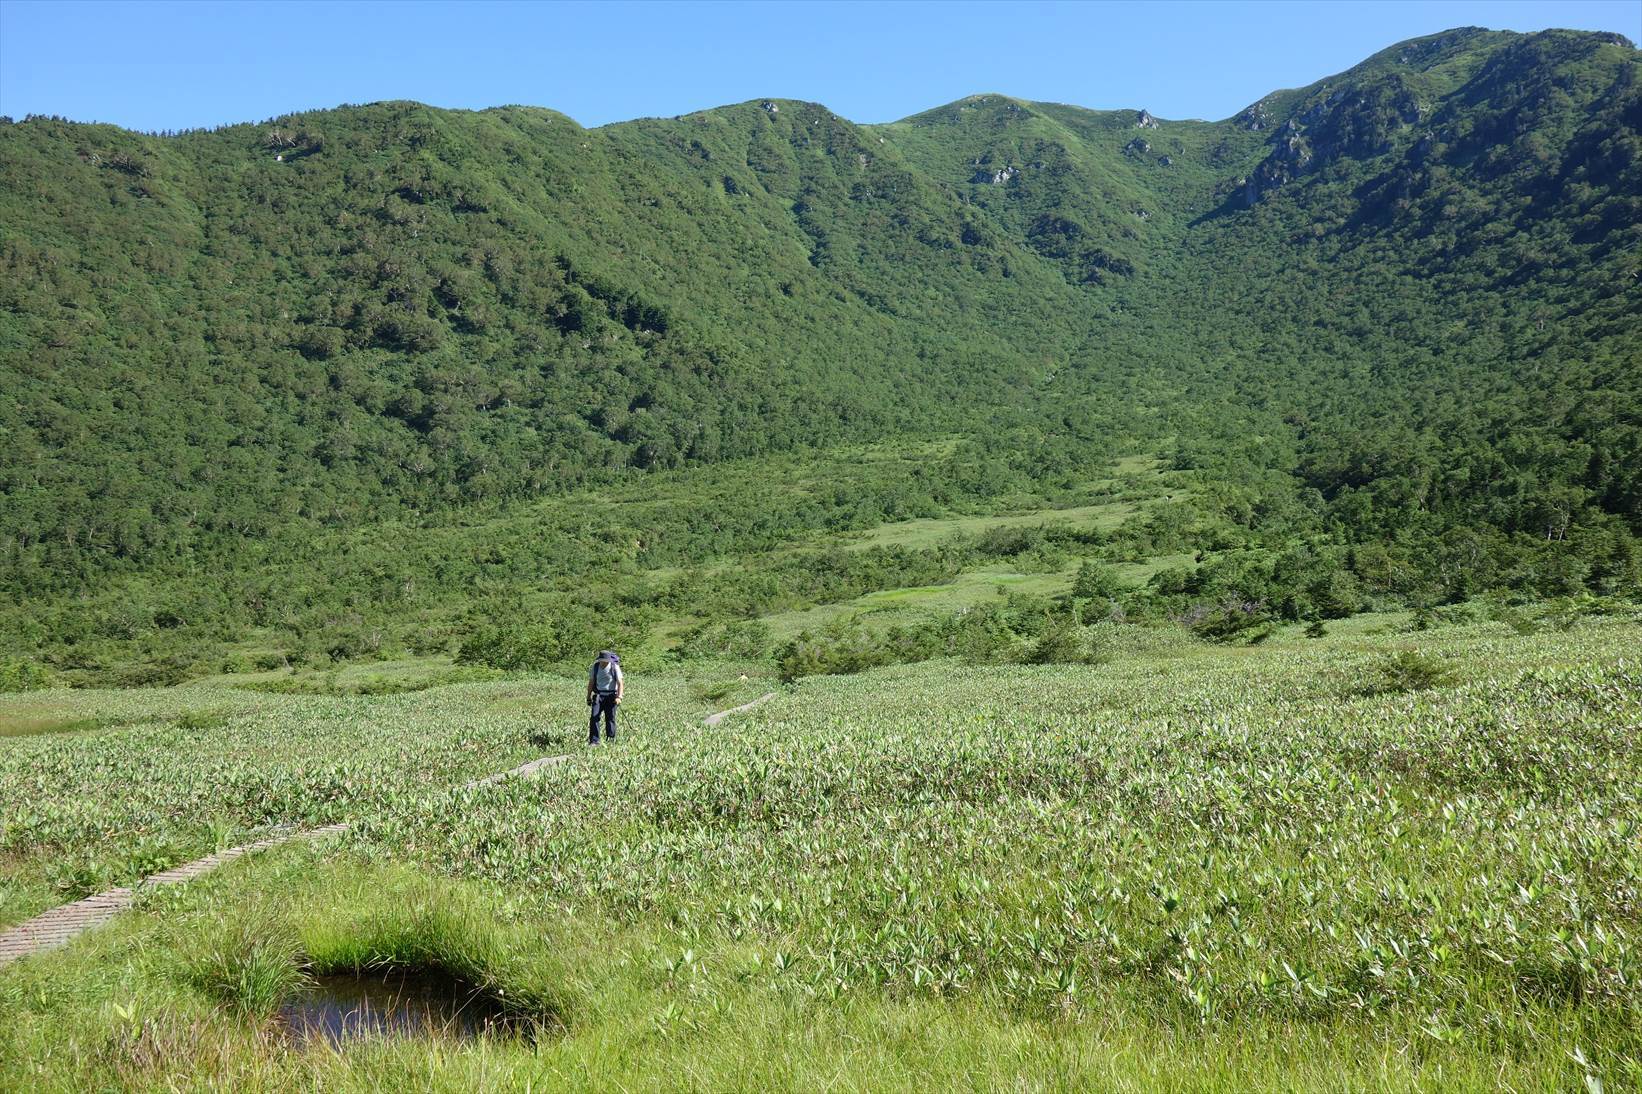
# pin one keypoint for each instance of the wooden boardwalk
(51, 929)
(714, 719)
(56, 927)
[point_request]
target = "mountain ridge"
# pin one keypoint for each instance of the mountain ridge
(347, 316)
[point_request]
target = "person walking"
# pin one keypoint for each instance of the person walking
(604, 691)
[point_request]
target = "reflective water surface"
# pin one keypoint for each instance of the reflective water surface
(396, 1003)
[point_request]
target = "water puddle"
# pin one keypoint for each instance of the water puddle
(340, 1007)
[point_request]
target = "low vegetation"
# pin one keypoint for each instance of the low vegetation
(1394, 859)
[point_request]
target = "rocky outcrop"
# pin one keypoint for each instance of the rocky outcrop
(1255, 118)
(1290, 156)
(1144, 120)
(1355, 122)
(1140, 146)
(995, 178)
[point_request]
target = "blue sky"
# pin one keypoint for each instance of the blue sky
(180, 65)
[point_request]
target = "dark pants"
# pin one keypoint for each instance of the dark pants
(605, 704)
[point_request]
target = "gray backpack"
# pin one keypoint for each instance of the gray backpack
(605, 681)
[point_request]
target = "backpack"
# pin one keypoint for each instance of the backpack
(605, 680)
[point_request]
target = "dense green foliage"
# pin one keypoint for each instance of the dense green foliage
(683, 549)
(1387, 321)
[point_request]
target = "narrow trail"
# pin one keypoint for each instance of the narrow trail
(58, 926)
(714, 719)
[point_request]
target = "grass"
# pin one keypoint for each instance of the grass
(24, 892)
(904, 605)
(1188, 867)
(251, 963)
(42, 721)
(624, 1009)
(928, 532)
(971, 588)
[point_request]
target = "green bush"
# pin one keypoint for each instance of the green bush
(512, 647)
(1411, 670)
(830, 654)
(233, 664)
(429, 643)
(201, 719)
(1231, 620)
(745, 639)
(1096, 582)
(19, 675)
(1062, 642)
(161, 672)
(352, 643)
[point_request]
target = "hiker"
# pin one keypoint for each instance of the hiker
(604, 690)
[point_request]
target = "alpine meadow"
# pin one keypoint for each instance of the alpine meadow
(1173, 590)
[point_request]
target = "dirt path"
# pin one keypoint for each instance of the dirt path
(56, 927)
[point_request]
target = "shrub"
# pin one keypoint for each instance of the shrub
(513, 647)
(1337, 594)
(1411, 670)
(22, 675)
(983, 635)
(711, 693)
(161, 672)
(1231, 620)
(1005, 541)
(1060, 643)
(1519, 620)
(233, 664)
(1096, 582)
(830, 654)
(348, 643)
(201, 719)
(574, 634)
(429, 643)
(741, 638)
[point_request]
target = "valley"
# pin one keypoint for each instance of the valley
(1106, 601)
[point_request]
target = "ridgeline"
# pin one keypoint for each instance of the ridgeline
(1390, 318)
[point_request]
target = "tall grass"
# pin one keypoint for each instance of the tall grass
(249, 963)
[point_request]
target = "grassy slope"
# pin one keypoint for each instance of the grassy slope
(886, 881)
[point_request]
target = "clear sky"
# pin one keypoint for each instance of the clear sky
(153, 66)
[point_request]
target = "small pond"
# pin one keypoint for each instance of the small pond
(338, 1007)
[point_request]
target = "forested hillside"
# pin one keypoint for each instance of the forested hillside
(1394, 311)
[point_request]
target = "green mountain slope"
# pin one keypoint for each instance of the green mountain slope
(394, 305)
(1398, 302)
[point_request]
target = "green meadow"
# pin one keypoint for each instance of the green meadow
(1384, 858)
